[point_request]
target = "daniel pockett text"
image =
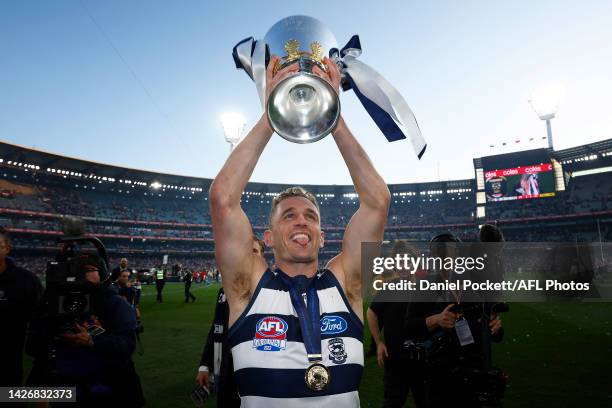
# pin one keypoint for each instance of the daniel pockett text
(492, 272)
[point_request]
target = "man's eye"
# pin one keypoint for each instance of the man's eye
(290, 215)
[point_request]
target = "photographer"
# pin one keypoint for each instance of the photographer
(449, 339)
(92, 348)
(452, 370)
(20, 293)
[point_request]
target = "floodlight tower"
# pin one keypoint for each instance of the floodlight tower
(233, 125)
(545, 102)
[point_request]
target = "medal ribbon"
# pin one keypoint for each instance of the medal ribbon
(308, 316)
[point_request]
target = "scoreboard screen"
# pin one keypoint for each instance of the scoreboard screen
(519, 183)
(518, 176)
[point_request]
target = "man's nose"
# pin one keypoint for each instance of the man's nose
(301, 220)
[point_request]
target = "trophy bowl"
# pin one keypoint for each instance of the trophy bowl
(304, 107)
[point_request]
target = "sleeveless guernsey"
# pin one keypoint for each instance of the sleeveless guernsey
(269, 354)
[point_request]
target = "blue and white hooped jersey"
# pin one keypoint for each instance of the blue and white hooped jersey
(269, 354)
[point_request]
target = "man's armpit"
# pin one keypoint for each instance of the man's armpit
(241, 286)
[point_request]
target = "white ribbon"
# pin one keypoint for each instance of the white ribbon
(378, 90)
(252, 56)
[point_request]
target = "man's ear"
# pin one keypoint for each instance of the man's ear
(322, 239)
(267, 237)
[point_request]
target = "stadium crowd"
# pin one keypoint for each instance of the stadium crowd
(143, 225)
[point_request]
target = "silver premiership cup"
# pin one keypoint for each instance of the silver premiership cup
(303, 108)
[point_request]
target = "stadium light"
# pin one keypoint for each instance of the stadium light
(233, 125)
(545, 102)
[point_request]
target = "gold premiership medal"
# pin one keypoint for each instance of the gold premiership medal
(317, 377)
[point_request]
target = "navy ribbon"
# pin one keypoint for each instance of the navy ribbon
(381, 100)
(309, 315)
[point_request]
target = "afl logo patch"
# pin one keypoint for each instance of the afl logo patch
(270, 334)
(333, 325)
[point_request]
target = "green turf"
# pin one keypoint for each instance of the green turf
(556, 355)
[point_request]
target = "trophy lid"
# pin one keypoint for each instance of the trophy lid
(304, 30)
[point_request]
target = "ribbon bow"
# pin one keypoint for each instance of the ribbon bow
(381, 100)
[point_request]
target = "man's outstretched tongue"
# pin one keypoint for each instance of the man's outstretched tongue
(301, 239)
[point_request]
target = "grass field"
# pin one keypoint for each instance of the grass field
(556, 355)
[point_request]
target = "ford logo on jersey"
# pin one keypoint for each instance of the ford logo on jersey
(270, 334)
(333, 325)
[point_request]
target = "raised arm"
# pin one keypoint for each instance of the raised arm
(368, 223)
(232, 230)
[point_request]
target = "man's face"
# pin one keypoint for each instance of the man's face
(295, 232)
(123, 263)
(92, 275)
(123, 279)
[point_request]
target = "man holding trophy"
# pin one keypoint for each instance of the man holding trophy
(296, 331)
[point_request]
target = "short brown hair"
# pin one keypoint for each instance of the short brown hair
(292, 192)
(262, 246)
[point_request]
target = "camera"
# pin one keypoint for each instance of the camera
(426, 352)
(472, 371)
(68, 293)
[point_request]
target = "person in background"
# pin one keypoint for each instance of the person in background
(20, 295)
(217, 354)
(123, 266)
(187, 278)
(160, 281)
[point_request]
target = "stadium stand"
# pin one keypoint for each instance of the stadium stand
(144, 215)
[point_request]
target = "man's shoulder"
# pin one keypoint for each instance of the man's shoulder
(118, 308)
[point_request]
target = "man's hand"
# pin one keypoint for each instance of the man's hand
(495, 324)
(202, 378)
(381, 354)
(332, 76)
(445, 319)
(80, 338)
(273, 80)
